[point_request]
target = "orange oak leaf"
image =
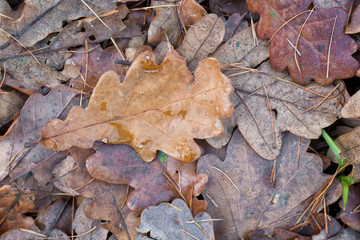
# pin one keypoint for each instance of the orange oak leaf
(310, 56)
(157, 107)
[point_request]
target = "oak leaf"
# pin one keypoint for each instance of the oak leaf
(175, 221)
(10, 104)
(157, 107)
(19, 142)
(349, 144)
(268, 103)
(242, 190)
(353, 27)
(314, 43)
(350, 215)
(14, 204)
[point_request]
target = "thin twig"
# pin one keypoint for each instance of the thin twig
(329, 50)
(96, 15)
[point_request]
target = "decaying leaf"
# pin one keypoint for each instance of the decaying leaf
(109, 200)
(175, 222)
(157, 107)
(82, 224)
(353, 27)
(349, 145)
(351, 215)
(99, 61)
(228, 6)
(10, 104)
(14, 203)
(352, 107)
(120, 164)
(202, 39)
(266, 106)
(33, 233)
(191, 12)
(32, 20)
(346, 233)
(20, 149)
(240, 191)
(344, 4)
(314, 60)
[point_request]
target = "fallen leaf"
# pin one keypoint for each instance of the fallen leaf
(233, 25)
(352, 107)
(353, 27)
(109, 200)
(157, 115)
(18, 142)
(57, 215)
(34, 233)
(99, 61)
(313, 45)
(350, 149)
(228, 6)
(175, 222)
(33, 18)
(346, 233)
(14, 204)
(202, 39)
(165, 22)
(240, 192)
(120, 164)
(278, 234)
(351, 215)
(82, 225)
(191, 12)
(291, 109)
(10, 103)
(344, 4)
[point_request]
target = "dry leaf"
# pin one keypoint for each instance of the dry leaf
(82, 224)
(346, 233)
(240, 191)
(10, 103)
(290, 109)
(165, 112)
(14, 204)
(314, 42)
(351, 215)
(202, 39)
(109, 200)
(175, 222)
(233, 25)
(19, 143)
(349, 145)
(120, 164)
(33, 18)
(191, 12)
(344, 4)
(353, 27)
(352, 107)
(228, 6)
(99, 61)
(165, 21)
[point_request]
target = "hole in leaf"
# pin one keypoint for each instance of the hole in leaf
(45, 90)
(82, 29)
(274, 113)
(92, 38)
(64, 23)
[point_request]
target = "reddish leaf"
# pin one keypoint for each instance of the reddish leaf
(313, 44)
(354, 26)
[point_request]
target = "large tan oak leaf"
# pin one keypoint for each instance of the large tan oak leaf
(157, 107)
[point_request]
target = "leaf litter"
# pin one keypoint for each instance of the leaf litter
(105, 189)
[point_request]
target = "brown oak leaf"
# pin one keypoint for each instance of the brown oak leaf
(312, 61)
(157, 107)
(14, 203)
(240, 191)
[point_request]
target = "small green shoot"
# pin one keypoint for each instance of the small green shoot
(162, 156)
(345, 180)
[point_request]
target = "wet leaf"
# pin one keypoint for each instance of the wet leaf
(242, 190)
(165, 112)
(292, 109)
(175, 221)
(202, 39)
(19, 143)
(313, 44)
(14, 204)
